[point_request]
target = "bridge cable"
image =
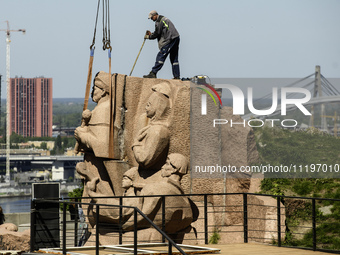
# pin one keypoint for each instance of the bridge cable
(291, 95)
(328, 90)
(326, 86)
(330, 84)
(290, 85)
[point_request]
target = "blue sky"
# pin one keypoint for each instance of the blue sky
(225, 39)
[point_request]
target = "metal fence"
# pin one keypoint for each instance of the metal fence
(220, 217)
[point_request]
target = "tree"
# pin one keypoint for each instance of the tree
(16, 138)
(65, 142)
(68, 142)
(43, 146)
(58, 148)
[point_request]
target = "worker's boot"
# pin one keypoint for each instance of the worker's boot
(150, 75)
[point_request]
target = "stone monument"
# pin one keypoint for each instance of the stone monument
(157, 136)
(149, 157)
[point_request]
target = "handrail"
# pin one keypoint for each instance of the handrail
(136, 210)
(211, 194)
(245, 210)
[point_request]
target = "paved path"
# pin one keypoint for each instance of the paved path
(261, 249)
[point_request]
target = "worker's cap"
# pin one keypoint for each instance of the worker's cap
(102, 80)
(152, 13)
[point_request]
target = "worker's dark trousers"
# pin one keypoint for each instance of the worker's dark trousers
(171, 48)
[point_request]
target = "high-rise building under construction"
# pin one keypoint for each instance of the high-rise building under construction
(31, 106)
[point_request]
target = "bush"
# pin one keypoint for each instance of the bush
(215, 237)
(303, 187)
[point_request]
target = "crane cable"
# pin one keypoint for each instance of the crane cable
(106, 46)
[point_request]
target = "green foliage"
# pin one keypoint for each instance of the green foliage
(279, 146)
(290, 240)
(303, 187)
(74, 195)
(43, 146)
(61, 144)
(328, 234)
(215, 237)
(15, 138)
(46, 138)
(68, 120)
(274, 186)
(58, 149)
(301, 210)
(283, 147)
(68, 142)
(336, 210)
(68, 113)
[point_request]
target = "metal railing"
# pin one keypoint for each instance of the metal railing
(248, 223)
(136, 211)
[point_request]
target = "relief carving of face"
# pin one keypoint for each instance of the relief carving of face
(167, 169)
(126, 182)
(151, 106)
(97, 94)
(157, 106)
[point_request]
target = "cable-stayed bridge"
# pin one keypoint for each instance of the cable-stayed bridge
(322, 92)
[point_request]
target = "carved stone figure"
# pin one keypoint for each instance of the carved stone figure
(94, 137)
(157, 173)
(179, 212)
(152, 142)
(111, 214)
(86, 116)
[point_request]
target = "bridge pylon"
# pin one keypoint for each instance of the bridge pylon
(317, 92)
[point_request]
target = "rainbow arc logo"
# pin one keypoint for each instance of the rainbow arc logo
(204, 97)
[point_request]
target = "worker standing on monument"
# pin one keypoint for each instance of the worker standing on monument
(168, 42)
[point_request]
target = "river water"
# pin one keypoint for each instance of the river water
(15, 204)
(19, 204)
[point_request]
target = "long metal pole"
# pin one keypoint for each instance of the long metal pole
(278, 208)
(64, 229)
(314, 224)
(206, 240)
(245, 217)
